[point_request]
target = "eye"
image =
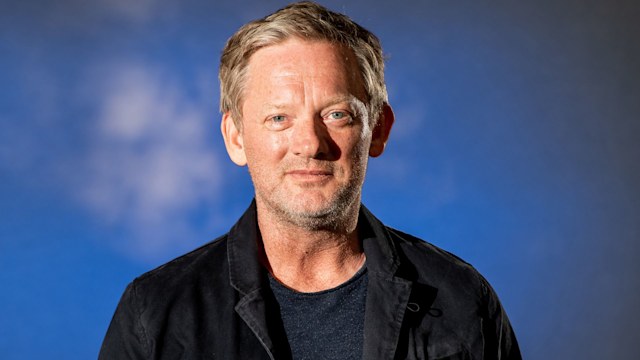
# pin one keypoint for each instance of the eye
(278, 118)
(338, 115)
(338, 118)
(277, 122)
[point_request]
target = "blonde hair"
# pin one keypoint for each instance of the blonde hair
(309, 21)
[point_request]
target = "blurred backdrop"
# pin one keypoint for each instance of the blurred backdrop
(516, 146)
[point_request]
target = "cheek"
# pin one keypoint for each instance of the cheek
(265, 145)
(356, 152)
(279, 142)
(359, 144)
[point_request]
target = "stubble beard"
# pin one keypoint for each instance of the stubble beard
(339, 213)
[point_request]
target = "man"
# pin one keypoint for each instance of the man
(308, 272)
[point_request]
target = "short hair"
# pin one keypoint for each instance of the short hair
(309, 21)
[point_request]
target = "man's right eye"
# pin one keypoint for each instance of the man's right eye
(277, 122)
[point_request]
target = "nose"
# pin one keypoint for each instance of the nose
(310, 138)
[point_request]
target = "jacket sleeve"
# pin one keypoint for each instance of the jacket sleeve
(126, 338)
(500, 339)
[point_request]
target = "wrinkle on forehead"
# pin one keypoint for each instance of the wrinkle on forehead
(294, 65)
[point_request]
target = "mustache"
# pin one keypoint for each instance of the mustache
(311, 165)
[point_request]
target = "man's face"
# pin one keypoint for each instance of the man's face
(305, 131)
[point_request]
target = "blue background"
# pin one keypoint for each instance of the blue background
(516, 146)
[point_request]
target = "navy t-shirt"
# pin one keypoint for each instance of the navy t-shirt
(324, 325)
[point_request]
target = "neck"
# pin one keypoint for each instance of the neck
(310, 260)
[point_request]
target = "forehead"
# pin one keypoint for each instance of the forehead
(298, 62)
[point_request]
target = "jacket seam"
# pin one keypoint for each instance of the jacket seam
(138, 310)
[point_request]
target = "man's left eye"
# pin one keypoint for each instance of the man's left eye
(338, 115)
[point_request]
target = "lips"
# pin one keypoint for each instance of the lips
(309, 176)
(309, 172)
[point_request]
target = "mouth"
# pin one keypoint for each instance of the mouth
(310, 175)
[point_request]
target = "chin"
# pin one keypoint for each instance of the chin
(321, 214)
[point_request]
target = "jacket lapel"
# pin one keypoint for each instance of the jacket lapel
(256, 306)
(255, 309)
(387, 301)
(391, 291)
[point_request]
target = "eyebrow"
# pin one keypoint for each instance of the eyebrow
(351, 99)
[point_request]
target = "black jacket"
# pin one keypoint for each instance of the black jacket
(216, 303)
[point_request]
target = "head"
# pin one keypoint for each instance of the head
(308, 21)
(304, 106)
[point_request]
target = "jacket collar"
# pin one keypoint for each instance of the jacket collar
(388, 291)
(381, 252)
(246, 274)
(256, 304)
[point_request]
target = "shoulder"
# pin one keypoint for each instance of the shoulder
(204, 265)
(461, 297)
(179, 297)
(436, 266)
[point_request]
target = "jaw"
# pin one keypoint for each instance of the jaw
(313, 208)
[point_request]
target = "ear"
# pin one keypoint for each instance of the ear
(381, 131)
(233, 140)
